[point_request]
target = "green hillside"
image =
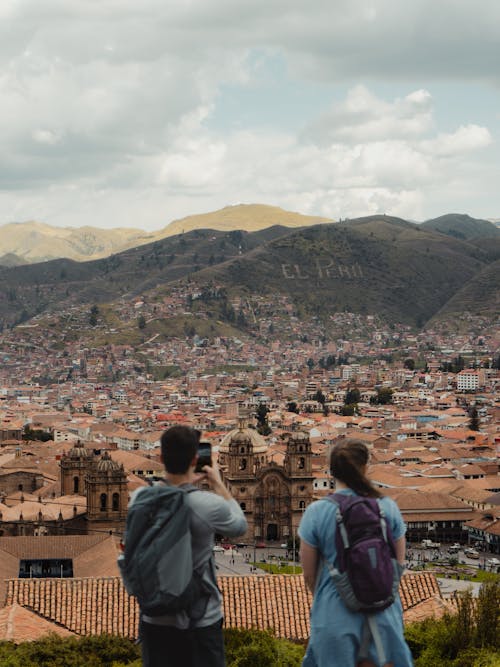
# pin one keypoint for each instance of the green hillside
(374, 265)
(462, 226)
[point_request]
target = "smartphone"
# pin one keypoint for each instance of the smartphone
(204, 455)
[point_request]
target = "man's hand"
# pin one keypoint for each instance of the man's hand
(212, 473)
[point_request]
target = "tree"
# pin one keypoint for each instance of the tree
(94, 312)
(409, 364)
(474, 423)
(310, 363)
(352, 396)
(262, 424)
(141, 321)
(292, 407)
(320, 397)
(384, 395)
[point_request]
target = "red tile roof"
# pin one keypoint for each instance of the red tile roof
(279, 602)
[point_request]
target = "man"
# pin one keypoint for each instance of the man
(178, 641)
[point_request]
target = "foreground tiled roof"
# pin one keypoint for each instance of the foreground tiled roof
(92, 555)
(18, 624)
(87, 606)
(279, 602)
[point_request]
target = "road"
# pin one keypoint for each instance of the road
(239, 561)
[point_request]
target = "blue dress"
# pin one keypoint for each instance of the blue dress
(335, 631)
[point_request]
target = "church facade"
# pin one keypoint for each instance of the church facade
(272, 496)
(102, 481)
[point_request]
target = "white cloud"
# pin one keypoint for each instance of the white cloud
(364, 117)
(463, 140)
(105, 106)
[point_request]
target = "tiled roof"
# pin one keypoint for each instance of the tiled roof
(87, 606)
(281, 602)
(49, 546)
(18, 624)
(92, 555)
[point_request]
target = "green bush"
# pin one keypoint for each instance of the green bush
(257, 648)
(244, 648)
(52, 651)
(469, 638)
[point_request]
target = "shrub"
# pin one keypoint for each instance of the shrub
(257, 648)
(52, 651)
(469, 638)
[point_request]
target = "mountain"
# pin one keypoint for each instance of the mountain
(10, 259)
(375, 265)
(462, 226)
(35, 242)
(247, 217)
(48, 286)
(480, 295)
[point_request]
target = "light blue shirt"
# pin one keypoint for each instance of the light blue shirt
(336, 631)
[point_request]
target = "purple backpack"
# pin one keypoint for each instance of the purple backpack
(366, 572)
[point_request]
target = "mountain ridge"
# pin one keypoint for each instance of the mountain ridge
(373, 265)
(36, 242)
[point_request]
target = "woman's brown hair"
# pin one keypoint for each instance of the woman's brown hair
(348, 460)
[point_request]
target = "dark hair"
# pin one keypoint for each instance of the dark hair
(179, 446)
(347, 462)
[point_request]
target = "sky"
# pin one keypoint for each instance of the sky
(119, 113)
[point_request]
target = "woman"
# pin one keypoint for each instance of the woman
(336, 632)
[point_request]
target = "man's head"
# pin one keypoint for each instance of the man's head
(179, 447)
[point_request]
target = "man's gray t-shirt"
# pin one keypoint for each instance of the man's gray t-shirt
(210, 514)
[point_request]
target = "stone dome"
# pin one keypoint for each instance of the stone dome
(80, 452)
(244, 436)
(106, 464)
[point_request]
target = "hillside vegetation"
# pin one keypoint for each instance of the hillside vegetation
(463, 226)
(376, 265)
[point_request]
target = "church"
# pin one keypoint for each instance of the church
(102, 481)
(272, 496)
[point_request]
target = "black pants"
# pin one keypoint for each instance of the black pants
(166, 646)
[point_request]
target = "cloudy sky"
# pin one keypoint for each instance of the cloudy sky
(134, 113)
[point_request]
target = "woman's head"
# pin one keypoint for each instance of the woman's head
(348, 461)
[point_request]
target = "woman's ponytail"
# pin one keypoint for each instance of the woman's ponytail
(348, 461)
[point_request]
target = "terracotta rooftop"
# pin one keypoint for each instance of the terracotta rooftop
(89, 606)
(92, 555)
(19, 624)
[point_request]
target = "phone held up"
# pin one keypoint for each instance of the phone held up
(204, 456)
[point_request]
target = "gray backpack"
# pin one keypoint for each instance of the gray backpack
(157, 562)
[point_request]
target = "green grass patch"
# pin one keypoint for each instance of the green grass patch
(276, 568)
(460, 571)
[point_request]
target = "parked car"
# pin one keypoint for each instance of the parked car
(218, 549)
(493, 563)
(260, 545)
(472, 553)
(429, 544)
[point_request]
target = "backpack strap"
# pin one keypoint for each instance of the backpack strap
(334, 499)
(370, 631)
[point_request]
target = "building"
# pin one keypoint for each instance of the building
(272, 495)
(102, 481)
